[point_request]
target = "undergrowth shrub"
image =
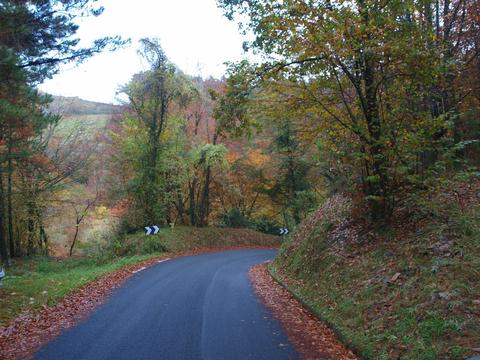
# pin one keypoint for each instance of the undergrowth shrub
(153, 245)
(234, 218)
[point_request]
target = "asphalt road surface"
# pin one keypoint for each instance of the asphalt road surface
(197, 307)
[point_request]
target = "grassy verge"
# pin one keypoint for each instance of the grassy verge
(412, 293)
(184, 238)
(32, 283)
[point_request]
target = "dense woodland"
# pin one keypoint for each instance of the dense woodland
(374, 99)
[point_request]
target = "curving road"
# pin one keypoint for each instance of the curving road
(197, 307)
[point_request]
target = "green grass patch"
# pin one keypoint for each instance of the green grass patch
(84, 125)
(32, 283)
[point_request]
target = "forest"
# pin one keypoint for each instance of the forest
(355, 126)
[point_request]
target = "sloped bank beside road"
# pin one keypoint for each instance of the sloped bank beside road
(410, 293)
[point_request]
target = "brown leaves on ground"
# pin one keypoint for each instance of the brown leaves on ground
(310, 337)
(24, 335)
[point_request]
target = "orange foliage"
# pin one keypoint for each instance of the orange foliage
(39, 160)
(256, 158)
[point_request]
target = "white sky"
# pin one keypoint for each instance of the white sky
(194, 34)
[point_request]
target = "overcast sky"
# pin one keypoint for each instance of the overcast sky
(194, 34)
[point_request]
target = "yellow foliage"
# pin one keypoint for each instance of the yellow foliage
(101, 211)
(256, 158)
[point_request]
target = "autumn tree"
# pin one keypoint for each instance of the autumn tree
(292, 187)
(360, 71)
(206, 153)
(154, 97)
(205, 159)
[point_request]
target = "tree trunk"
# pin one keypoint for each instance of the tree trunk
(293, 185)
(157, 123)
(151, 198)
(77, 225)
(205, 200)
(377, 185)
(43, 238)
(180, 208)
(3, 242)
(11, 238)
(31, 249)
(191, 195)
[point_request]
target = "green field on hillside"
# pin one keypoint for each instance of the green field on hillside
(85, 125)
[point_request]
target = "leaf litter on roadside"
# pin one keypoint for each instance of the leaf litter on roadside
(311, 338)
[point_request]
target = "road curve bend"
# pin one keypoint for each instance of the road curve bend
(196, 307)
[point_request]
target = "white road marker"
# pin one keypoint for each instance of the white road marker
(136, 271)
(144, 267)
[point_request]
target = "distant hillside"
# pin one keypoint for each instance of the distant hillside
(76, 106)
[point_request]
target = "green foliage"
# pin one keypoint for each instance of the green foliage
(153, 245)
(209, 155)
(233, 109)
(293, 188)
(152, 142)
(171, 170)
(265, 225)
(234, 219)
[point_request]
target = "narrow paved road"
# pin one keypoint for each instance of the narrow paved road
(198, 307)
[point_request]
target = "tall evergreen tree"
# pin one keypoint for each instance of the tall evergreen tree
(35, 38)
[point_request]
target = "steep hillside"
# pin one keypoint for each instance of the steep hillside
(409, 293)
(78, 115)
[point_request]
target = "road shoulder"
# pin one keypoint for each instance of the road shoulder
(311, 338)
